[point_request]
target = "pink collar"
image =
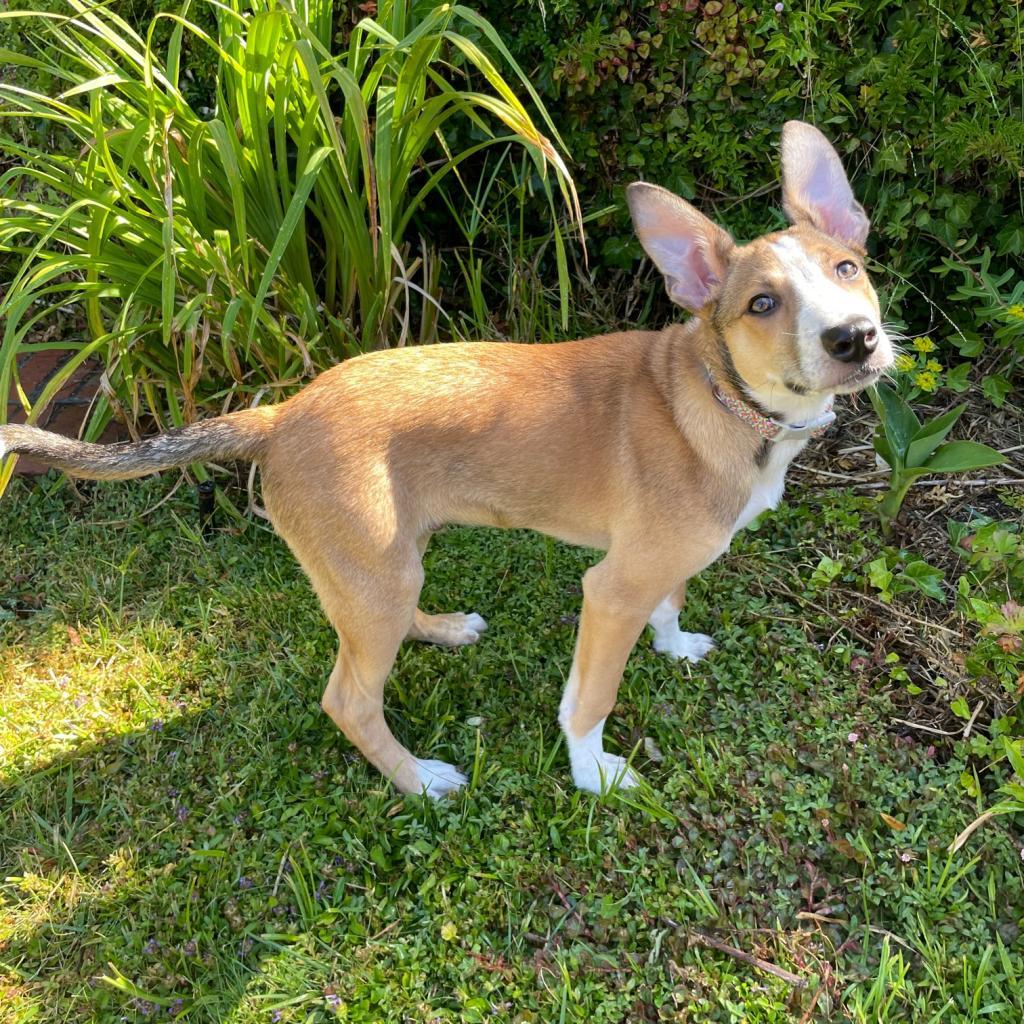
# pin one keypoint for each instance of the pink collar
(769, 429)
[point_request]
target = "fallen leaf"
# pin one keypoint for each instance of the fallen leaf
(892, 822)
(847, 849)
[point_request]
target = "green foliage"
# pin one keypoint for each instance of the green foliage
(912, 449)
(996, 301)
(1011, 792)
(220, 254)
(898, 574)
(986, 591)
(924, 100)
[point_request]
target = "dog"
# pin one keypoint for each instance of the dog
(652, 446)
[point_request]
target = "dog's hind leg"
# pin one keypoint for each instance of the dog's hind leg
(453, 629)
(372, 619)
(669, 638)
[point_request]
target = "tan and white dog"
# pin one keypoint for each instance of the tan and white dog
(655, 447)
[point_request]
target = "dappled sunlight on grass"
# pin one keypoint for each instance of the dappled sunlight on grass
(78, 684)
(184, 830)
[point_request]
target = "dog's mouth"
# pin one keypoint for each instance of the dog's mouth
(864, 376)
(861, 377)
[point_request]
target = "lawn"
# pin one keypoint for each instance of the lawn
(185, 835)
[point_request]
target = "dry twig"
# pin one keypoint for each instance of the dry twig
(748, 958)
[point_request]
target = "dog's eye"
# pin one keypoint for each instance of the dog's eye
(847, 270)
(761, 304)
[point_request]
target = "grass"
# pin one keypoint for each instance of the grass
(185, 835)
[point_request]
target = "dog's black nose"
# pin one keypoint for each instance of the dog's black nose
(851, 342)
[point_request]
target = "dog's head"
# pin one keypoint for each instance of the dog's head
(793, 312)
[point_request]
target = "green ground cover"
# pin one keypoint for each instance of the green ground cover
(184, 835)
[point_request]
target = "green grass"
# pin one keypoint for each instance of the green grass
(179, 820)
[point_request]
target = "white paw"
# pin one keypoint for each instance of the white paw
(438, 777)
(457, 629)
(691, 646)
(475, 624)
(603, 772)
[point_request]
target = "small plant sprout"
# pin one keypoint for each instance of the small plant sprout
(912, 449)
(1011, 791)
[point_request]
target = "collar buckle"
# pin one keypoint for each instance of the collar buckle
(798, 431)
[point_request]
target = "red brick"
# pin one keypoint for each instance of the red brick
(36, 368)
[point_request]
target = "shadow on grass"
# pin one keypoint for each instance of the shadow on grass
(160, 870)
(222, 836)
(146, 870)
(108, 867)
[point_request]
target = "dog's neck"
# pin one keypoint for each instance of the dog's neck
(776, 402)
(699, 363)
(764, 426)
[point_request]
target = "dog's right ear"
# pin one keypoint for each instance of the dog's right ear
(691, 251)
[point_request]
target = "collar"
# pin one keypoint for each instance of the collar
(769, 429)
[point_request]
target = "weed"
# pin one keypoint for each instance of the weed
(912, 449)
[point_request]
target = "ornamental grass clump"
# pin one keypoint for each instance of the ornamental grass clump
(222, 255)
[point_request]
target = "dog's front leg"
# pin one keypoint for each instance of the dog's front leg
(669, 638)
(617, 602)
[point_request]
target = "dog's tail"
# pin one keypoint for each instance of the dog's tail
(239, 435)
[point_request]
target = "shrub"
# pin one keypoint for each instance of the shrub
(220, 253)
(924, 100)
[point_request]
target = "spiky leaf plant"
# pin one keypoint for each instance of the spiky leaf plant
(223, 255)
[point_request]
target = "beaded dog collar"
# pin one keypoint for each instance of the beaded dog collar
(769, 429)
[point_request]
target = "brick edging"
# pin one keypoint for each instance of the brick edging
(67, 411)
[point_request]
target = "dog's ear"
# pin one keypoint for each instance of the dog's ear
(691, 251)
(814, 186)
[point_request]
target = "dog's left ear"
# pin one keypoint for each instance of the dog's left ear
(815, 188)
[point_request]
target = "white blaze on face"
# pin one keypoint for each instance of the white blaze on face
(822, 302)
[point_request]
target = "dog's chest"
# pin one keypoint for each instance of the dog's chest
(771, 480)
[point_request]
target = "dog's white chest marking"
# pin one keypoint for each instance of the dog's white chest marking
(767, 492)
